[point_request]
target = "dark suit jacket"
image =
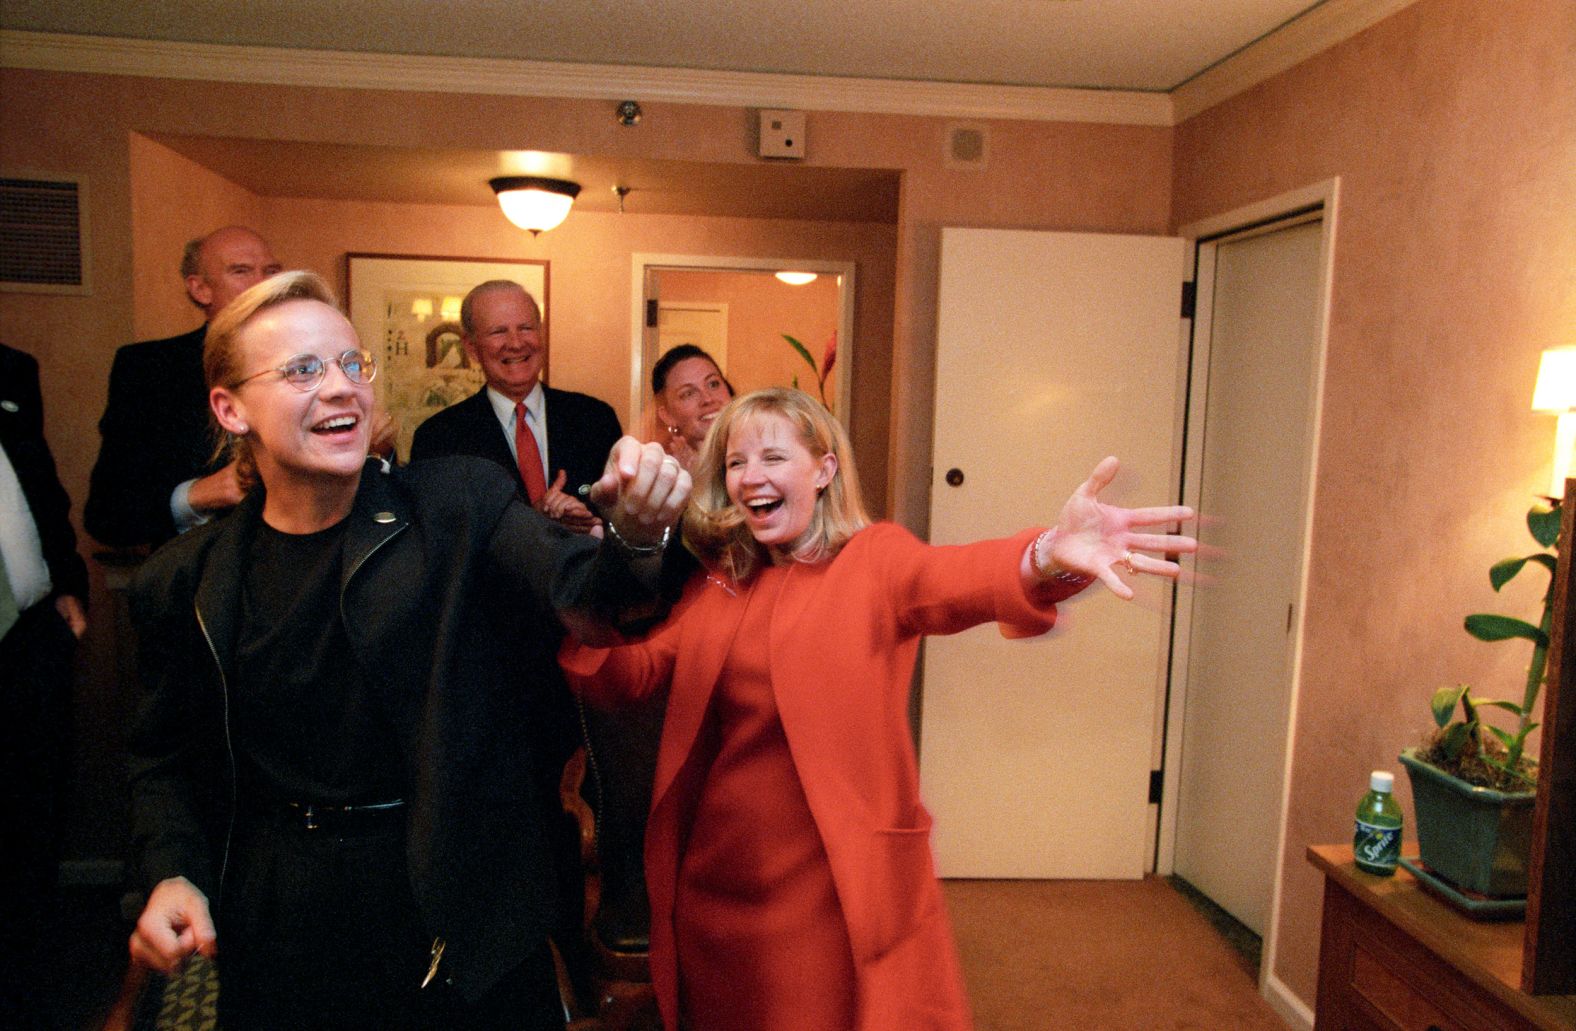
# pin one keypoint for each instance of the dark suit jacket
(155, 434)
(453, 583)
(581, 430)
(22, 434)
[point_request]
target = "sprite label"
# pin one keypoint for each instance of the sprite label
(1376, 848)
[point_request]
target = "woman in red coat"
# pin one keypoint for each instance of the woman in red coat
(787, 851)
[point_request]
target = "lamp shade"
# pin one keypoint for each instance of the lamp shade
(1556, 389)
(796, 278)
(534, 202)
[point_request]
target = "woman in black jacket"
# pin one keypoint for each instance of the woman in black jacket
(337, 764)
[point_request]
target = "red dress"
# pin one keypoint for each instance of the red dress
(832, 649)
(762, 942)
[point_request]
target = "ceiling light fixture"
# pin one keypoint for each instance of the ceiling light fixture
(796, 278)
(534, 202)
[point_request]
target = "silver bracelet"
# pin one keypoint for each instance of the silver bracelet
(638, 549)
(1061, 577)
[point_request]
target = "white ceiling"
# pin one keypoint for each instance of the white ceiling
(1142, 45)
(1103, 60)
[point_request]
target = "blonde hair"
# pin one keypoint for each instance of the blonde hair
(221, 352)
(714, 527)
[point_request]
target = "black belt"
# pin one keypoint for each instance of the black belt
(335, 819)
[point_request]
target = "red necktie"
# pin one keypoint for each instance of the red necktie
(529, 457)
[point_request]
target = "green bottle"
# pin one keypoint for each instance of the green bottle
(1377, 841)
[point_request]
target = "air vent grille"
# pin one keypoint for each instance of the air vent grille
(41, 235)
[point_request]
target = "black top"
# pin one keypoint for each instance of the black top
(308, 726)
(450, 586)
(155, 436)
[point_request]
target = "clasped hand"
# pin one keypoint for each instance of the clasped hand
(641, 492)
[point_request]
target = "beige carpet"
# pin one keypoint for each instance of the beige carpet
(1099, 956)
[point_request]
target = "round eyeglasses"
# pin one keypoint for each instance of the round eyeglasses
(305, 372)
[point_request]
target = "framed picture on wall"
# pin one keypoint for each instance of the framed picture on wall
(406, 310)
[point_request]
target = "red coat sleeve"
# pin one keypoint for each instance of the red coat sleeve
(944, 589)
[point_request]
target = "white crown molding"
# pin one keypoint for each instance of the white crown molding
(1299, 39)
(1303, 37)
(99, 55)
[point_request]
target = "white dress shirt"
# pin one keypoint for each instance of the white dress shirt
(535, 417)
(19, 543)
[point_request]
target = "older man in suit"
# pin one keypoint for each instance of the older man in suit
(553, 441)
(43, 582)
(155, 476)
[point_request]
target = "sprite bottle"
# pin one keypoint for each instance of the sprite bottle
(1376, 844)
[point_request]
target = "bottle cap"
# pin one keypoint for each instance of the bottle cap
(1382, 780)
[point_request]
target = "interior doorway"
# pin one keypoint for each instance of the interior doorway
(758, 310)
(1255, 372)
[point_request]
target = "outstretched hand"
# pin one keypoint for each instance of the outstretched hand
(642, 491)
(1096, 539)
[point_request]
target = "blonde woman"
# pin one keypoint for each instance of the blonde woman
(787, 856)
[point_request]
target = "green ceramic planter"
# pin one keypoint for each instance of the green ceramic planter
(1476, 838)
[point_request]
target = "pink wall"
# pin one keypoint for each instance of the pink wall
(174, 200)
(1452, 127)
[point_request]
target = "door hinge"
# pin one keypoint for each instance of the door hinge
(1157, 780)
(651, 314)
(1189, 299)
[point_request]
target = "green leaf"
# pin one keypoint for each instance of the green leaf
(1444, 702)
(1511, 707)
(1504, 738)
(1501, 572)
(1544, 522)
(804, 352)
(1455, 738)
(1489, 627)
(1545, 560)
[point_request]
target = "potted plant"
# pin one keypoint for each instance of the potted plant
(1473, 786)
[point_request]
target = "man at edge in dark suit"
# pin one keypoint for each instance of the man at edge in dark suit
(155, 476)
(573, 433)
(43, 585)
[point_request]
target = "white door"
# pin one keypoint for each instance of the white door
(1258, 330)
(1053, 350)
(702, 323)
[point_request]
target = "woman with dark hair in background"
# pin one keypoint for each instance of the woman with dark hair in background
(787, 858)
(337, 766)
(689, 390)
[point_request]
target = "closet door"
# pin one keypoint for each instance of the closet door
(1053, 351)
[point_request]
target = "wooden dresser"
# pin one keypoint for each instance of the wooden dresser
(1394, 958)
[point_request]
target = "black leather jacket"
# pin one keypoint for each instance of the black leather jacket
(450, 593)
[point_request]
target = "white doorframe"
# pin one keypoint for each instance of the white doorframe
(642, 342)
(1326, 195)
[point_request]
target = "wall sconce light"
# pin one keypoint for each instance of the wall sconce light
(796, 278)
(421, 307)
(449, 310)
(534, 202)
(1556, 393)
